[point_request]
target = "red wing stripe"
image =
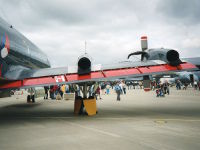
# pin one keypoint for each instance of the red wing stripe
(60, 79)
(14, 84)
(185, 66)
(121, 72)
(162, 68)
(38, 81)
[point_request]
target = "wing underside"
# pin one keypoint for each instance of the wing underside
(52, 76)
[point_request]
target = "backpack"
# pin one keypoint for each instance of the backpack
(117, 88)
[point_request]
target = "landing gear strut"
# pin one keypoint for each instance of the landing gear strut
(87, 102)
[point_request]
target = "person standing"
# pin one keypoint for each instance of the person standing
(107, 89)
(56, 90)
(195, 85)
(63, 89)
(46, 90)
(121, 88)
(91, 90)
(158, 90)
(178, 85)
(60, 93)
(199, 85)
(118, 91)
(67, 89)
(51, 92)
(166, 87)
(140, 84)
(97, 93)
(153, 85)
(124, 87)
(185, 86)
(102, 88)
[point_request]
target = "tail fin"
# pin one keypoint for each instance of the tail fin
(144, 43)
(144, 46)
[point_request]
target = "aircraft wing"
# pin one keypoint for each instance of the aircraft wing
(195, 61)
(64, 75)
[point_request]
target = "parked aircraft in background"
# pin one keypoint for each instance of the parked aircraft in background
(169, 56)
(24, 65)
(185, 77)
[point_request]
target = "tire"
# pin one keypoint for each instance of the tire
(28, 98)
(33, 98)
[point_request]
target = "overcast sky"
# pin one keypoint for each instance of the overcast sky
(112, 28)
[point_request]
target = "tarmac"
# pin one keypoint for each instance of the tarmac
(140, 121)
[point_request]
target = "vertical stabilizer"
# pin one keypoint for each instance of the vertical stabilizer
(144, 43)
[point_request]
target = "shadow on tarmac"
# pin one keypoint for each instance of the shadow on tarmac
(26, 105)
(31, 111)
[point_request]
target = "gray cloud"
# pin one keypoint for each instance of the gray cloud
(112, 28)
(183, 11)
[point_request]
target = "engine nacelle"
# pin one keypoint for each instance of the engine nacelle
(169, 56)
(84, 65)
(172, 57)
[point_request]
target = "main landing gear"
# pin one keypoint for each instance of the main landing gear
(31, 95)
(85, 101)
(30, 98)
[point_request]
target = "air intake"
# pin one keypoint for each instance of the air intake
(84, 66)
(173, 58)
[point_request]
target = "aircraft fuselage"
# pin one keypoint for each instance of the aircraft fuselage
(17, 52)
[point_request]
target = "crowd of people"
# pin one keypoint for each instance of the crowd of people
(55, 91)
(184, 86)
(120, 87)
(161, 88)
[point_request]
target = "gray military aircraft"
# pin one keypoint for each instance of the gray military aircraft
(170, 56)
(24, 65)
(187, 78)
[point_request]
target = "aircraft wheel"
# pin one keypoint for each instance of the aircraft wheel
(28, 98)
(33, 98)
